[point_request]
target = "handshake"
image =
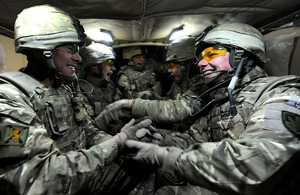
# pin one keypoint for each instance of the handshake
(140, 129)
(140, 141)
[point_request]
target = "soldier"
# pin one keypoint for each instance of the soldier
(98, 66)
(49, 145)
(98, 63)
(135, 79)
(180, 58)
(248, 141)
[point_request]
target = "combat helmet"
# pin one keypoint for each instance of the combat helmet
(96, 53)
(237, 35)
(129, 52)
(181, 49)
(44, 27)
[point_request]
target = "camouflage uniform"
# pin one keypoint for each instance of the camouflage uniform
(131, 82)
(100, 97)
(264, 155)
(207, 127)
(177, 89)
(172, 112)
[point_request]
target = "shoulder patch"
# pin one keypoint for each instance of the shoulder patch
(14, 136)
(292, 122)
(294, 104)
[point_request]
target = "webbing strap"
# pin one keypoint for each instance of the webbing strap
(24, 82)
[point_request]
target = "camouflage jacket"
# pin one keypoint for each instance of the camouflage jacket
(100, 97)
(265, 154)
(43, 147)
(131, 81)
(170, 112)
(177, 89)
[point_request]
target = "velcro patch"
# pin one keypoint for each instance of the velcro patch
(14, 136)
(293, 103)
(292, 122)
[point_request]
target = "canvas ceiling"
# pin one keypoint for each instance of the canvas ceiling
(153, 20)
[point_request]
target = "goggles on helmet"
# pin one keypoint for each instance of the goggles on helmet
(210, 53)
(109, 63)
(69, 48)
(138, 57)
(173, 65)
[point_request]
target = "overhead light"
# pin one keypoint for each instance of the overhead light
(176, 33)
(107, 35)
(101, 35)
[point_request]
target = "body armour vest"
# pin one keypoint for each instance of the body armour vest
(100, 97)
(140, 81)
(215, 126)
(55, 109)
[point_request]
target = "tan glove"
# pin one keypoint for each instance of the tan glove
(129, 131)
(114, 112)
(150, 153)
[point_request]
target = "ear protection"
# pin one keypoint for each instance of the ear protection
(236, 56)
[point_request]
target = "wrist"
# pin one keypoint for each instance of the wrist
(161, 154)
(171, 158)
(121, 139)
(117, 140)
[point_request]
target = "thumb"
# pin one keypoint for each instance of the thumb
(142, 132)
(132, 144)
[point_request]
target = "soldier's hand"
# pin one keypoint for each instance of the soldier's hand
(151, 95)
(150, 153)
(129, 131)
(114, 112)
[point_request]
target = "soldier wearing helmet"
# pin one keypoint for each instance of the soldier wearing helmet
(49, 145)
(180, 59)
(134, 80)
(246, 138)
(98, 64)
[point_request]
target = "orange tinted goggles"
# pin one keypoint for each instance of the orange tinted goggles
(173, 65)
(210, 53)
(138, 57)
(109, 63)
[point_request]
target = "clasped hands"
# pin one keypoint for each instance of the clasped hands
(140, 137)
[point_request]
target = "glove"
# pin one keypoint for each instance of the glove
(114, 112)
(151, 95)
(129, 131)
(149, 134)
(150, 153)
(145, 135)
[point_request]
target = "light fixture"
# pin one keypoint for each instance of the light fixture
(107, 35)
(176, 33)
(101, 35)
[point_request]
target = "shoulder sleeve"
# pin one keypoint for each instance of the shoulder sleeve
(165, 111)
